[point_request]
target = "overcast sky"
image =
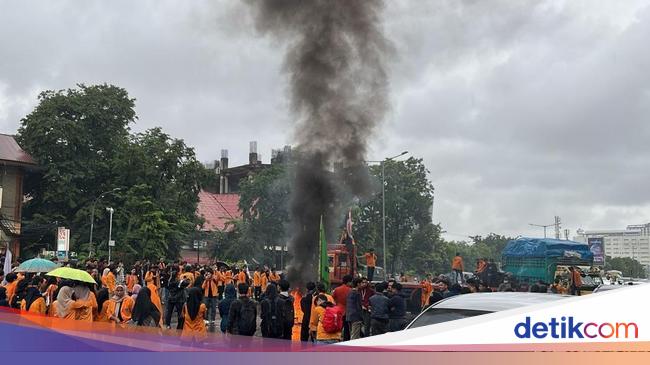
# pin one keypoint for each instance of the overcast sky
(521, 110)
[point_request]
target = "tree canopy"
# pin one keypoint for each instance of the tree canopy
(88, 157)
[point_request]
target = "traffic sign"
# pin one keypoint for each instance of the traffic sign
(111, 243)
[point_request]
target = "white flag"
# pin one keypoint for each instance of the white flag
(8, 259)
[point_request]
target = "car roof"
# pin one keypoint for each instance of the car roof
(497, 301)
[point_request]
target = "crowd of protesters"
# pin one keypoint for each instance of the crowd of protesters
(191, 296)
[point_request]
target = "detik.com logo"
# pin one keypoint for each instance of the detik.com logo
(568, 327)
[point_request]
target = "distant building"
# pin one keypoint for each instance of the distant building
(14, 163)
(634, 241)
(219, 203)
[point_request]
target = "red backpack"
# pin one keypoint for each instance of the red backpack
(333, 319)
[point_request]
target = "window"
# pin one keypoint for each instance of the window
(439, 315)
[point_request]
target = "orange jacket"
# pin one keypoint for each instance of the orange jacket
(241, 278)
(371, 259)
(317, 325)
(457, 264)
(125, 310)
(227, 278)
(131, 280)
(38, 306)
(274, 277)
(110, 283)
(194, 327)
(257, 279)
(264, 281)
(210, 285)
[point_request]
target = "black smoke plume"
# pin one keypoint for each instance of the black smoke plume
(339, 93)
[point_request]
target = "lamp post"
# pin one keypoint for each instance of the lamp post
(92, 218)
(383, 204)
(110, 231)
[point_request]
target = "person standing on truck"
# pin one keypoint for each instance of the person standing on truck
(371, 261)
(457, 269)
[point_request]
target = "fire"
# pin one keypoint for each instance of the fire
(297, 313)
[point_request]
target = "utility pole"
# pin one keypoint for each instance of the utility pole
(543, 226)
(566, 233)
(557, 227)
(110, 232)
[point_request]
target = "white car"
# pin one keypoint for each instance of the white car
(476, 304)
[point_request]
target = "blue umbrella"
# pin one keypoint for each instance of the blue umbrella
(37, 265)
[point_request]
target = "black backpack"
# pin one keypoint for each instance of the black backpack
(285, 306)
(247, 323)
(274, 318)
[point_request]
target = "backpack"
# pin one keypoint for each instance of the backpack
(247, 323)
(286, 310)
(274, 318)
(333, 319)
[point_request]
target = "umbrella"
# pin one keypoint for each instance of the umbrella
(221, 263)
(72, 274)
(36, 265)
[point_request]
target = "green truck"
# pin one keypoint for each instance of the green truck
(530, 260)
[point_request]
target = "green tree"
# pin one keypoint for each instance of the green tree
(627, 265)
(409, 199)
(81, 140)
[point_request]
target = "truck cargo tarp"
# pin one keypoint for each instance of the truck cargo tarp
(546, 247)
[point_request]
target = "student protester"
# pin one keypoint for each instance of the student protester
(274, 277)
(145, 312)
(119, 308)
(177, 288)
(242, 317)
(353, 310)
(83, 292)
(270, 325)
(379, 311)
(102, 298)
(371, 260)
(110, 280)
(10, 287)
(396, 309)
(286, 304)
(366, 292)
(340, 295)
(305, 307)
(3, 297)
(210, 293)
(576, 280)
(327, 321)
(33, 301)
(67, 307)
(224, 306)
(257, 283)
(457, 269)
(131, 281)
(194, 313)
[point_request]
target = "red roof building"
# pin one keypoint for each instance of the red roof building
(217, 210)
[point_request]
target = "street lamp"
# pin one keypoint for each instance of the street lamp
(110, 231)
(383, 203)
(92, 218)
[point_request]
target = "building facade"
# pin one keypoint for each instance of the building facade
(14, 164)
(634, 242)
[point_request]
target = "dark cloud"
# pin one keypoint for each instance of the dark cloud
(522, 110)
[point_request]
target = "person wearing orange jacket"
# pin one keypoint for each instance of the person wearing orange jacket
(33, 301)
(457, 269)
(227, 278)
(427, 289)
(120, 307)
(193, 316)
(371, 261)
(109, 280)
(242, 277)
(67, 307)
(210, 293)
(274, 277)
(12, 283)
(150, 279)
(131, 280)
(257, 283)
(264, 281)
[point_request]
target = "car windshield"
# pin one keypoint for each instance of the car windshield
(440, 315)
